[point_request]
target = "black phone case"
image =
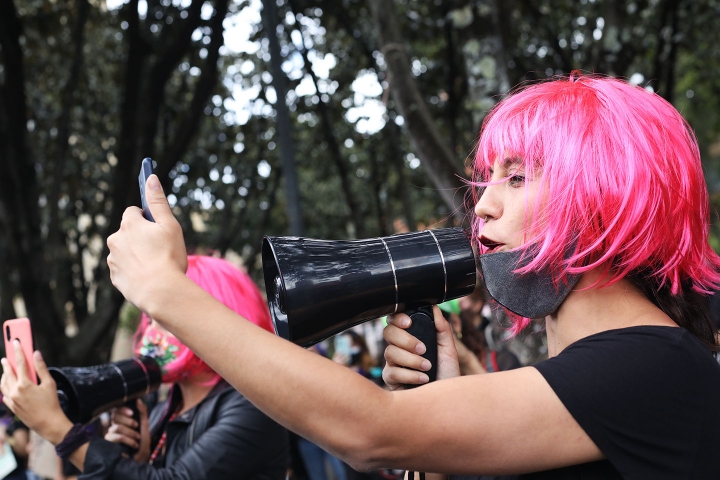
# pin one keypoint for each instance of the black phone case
(146, 169)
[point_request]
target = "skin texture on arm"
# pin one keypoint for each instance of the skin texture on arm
(442, 427)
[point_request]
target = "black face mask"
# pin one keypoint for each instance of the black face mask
(530, 295)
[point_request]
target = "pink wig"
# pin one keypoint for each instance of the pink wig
(620, 169)
(227, 284)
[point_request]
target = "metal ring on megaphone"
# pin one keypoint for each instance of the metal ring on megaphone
(392, 266)
(123, 380)
(147, 375)
(442, 259)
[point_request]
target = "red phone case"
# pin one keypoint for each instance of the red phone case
(20, 329)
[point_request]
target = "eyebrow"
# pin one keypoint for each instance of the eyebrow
(508, 162)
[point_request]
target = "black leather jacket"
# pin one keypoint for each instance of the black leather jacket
(223, 437)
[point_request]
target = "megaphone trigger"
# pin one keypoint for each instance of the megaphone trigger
(423, 328)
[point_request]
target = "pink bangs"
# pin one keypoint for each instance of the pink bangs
(621, 171)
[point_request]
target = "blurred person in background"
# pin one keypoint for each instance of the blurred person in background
(352, 351)
(17, 435)
(478, 351)
(205, 428)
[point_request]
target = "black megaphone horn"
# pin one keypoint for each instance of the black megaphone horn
(317, 288)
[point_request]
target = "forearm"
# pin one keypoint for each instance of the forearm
(297, 388)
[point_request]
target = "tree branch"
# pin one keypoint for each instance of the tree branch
(442, 167)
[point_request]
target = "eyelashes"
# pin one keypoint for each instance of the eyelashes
(516, 181)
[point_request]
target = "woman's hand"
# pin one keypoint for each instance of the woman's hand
(124, 429)
(404, 364)
(144, 254)
(36, 405)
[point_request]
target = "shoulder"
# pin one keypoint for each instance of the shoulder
(641, 390)
(638, 348)
(634, 363)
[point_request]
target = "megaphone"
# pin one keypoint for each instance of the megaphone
(86, 392)
(317, 288)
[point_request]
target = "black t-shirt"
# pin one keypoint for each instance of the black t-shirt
(648, 396)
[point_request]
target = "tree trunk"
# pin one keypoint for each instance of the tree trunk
(444, 169)
(334, 148)
(19, 191)
(287, 146)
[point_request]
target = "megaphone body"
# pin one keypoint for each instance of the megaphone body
(86, 392)
(317, 288)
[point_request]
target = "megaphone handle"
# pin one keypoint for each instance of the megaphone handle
(423, 328)
(132, 405)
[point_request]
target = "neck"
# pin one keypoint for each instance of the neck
(194, 391)
(591, 309)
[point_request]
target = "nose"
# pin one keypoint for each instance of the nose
(490, 204)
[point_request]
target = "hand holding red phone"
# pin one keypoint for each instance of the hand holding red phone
(36, 405)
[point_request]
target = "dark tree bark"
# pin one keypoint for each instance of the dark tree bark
(19, 191)
(287, 145)
(444, 169)
(141, 107)
(333, 146)
(664, 63)
(175, 45)
(377, 174)
(138, 112)
(56, 241)
(395, 158)
(190, 121)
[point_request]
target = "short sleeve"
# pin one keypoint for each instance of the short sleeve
(645, 395)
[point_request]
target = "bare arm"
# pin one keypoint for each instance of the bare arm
(509, 422)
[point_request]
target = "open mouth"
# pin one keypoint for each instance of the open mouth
(490, 245)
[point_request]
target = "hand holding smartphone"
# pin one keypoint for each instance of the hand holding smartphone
(146, 169)
(20, 329)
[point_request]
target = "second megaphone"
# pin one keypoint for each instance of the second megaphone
(317, 288)
(86, 392)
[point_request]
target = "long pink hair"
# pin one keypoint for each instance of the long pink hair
(227, 284)
(622, 175)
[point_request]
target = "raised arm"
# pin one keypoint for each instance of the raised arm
(508, 422)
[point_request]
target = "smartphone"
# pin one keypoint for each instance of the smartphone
(146, 169)
(20, 329)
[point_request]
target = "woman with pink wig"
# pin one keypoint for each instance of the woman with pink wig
(205, 428)
(592, 213)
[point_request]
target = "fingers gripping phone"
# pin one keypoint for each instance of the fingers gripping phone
(146, 169)
(21, 330)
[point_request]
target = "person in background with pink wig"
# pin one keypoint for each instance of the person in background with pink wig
(205, 428)
(593, 214)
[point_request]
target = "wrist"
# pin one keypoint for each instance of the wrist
(56, 432)
(165, 293)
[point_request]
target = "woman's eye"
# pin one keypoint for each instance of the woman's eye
(516, 181)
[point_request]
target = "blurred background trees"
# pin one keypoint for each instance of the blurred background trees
(384, 101)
